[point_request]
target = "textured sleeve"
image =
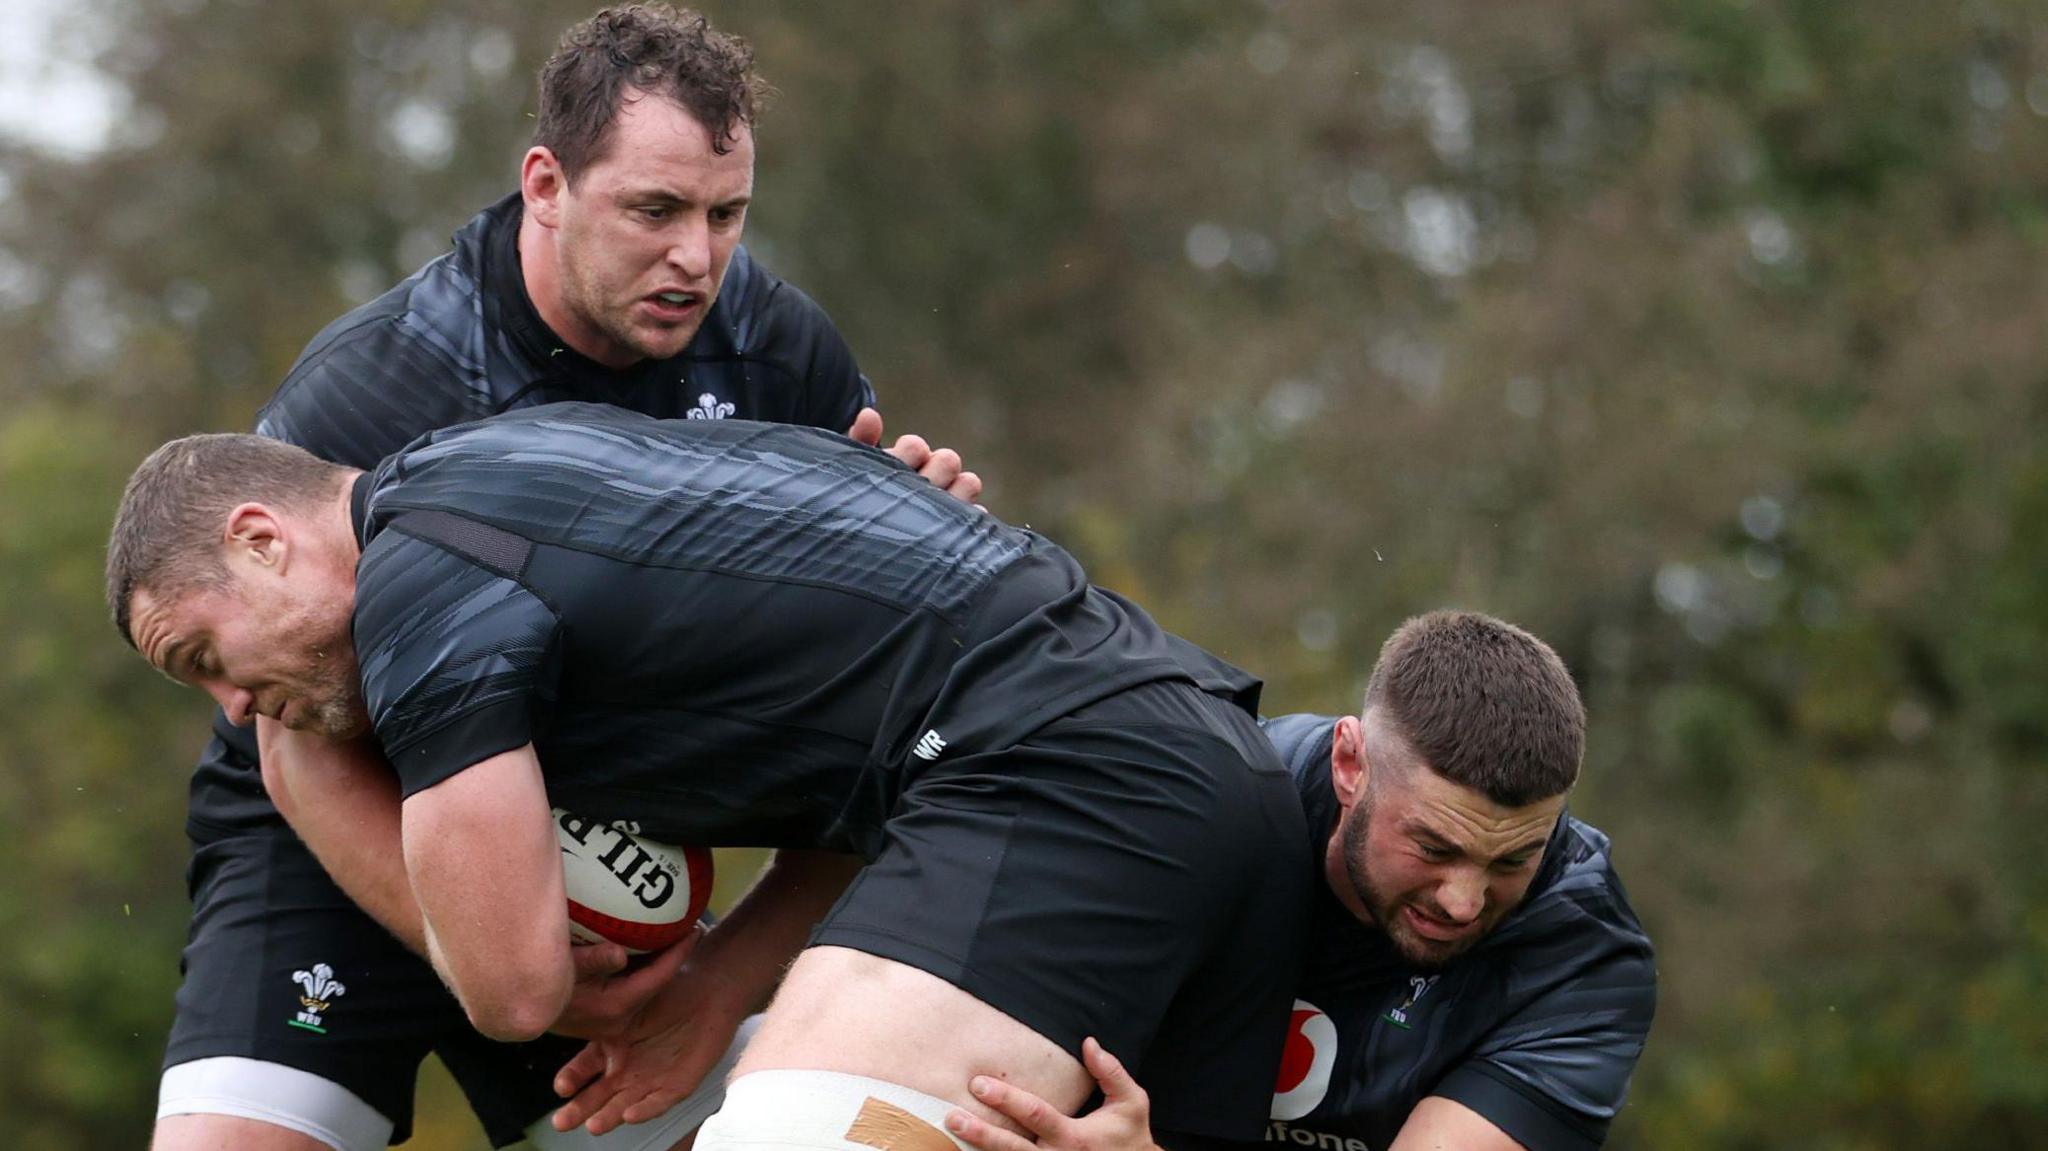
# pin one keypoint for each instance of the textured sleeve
(360, 395)
(452, 655)
(1553, 1074)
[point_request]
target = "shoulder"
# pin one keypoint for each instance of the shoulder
(764, 311)
(763, 326)
(1303, 744)
(1582, 915)
(1575, 950)
(1301, 739)
(409, 360)
(1577, 986)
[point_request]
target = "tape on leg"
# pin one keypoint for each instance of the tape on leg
(887, 1127)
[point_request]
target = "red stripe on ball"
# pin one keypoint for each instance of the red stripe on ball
(626, 933)
(636, 936)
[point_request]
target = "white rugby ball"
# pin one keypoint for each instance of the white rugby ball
(631, 891)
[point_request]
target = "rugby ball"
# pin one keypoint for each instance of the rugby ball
(631, 891)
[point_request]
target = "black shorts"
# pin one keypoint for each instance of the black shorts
(1138, 871)
(263, 912)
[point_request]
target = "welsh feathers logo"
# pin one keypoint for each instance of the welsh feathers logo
(321, 988)
(1305, 1064)
(710, 407)
(1418, 986)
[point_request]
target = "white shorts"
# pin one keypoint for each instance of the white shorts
(324, 1110)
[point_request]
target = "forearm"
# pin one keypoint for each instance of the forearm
(743, 958)
(342, 800)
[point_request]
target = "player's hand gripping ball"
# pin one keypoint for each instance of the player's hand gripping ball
(634, 892)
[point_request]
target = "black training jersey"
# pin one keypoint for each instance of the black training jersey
(730, 632)
(460, 340)
(1537, 1028)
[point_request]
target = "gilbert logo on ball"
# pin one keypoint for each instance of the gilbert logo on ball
(1305, 1066)
(634, 892)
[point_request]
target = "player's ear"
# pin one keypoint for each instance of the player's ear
(541, 183)
(1348, 769)
(255, 534)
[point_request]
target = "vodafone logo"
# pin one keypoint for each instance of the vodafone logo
(1305, 1065)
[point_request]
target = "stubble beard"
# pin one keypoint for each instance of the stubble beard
(585, 300)
(340, 719)
(1423, 954)
(334, 707)
(585, 296)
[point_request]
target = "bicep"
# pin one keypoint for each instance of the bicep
(306, 773)
(1439, 1124)
(342, 800)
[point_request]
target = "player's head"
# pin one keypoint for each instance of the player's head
(1451, 780)
(231, 568)
(637, 183)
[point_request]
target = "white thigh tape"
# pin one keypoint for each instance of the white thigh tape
(826, 1111)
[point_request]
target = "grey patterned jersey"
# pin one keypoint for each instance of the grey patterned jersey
(460, 340)
(729, 632)
(1537, 1028)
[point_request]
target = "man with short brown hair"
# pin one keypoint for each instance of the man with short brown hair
(748, 634)
(1476, 978)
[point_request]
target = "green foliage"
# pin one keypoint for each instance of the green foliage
(93, 906)
(1702, 337)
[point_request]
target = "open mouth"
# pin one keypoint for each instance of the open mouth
(1432, 928)
(673, 304)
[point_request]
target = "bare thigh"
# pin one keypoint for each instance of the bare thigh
(848, 1011)
(228, 1133)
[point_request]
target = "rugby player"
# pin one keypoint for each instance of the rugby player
(614, 274)
(736, 633)
(1475, 977)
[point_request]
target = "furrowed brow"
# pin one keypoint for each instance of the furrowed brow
(1424, 833)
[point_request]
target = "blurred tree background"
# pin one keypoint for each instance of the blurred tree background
(1703, 337)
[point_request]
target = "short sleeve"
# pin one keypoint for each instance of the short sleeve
(1553, 1074)
(453, 657)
